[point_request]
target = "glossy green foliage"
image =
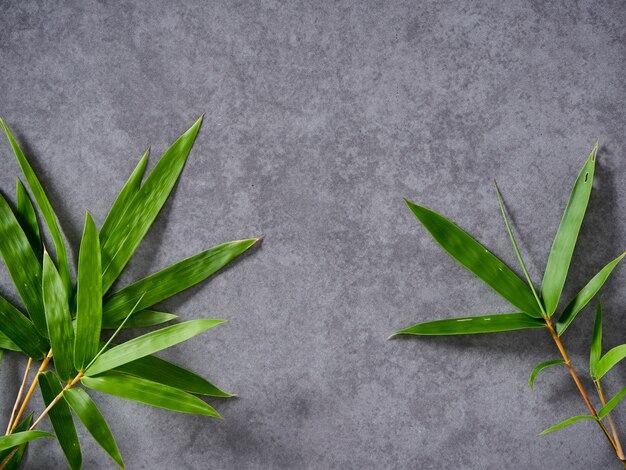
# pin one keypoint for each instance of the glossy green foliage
(609, 360)
(596, 343)
(539, 368)
(21, 331)
(567, 422)
(141, 320)
(472, 325)
(18, 438)
(15, 461)
(27, 217)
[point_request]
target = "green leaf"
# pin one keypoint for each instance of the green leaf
(94, 422)
(121, 243)
(471, 325)
(15, 462)
(59, 320)
(23, 265)
(539, 368)
(596, 342)
(21, 331)
(27, 217)
(6, 343)
(45, 207)
(61, 419)
(477, 259)
(143, 319)
(149, 344)
(89, 297)
(609, 360)
(567, 422)
(150, 393)
(565, 240)
(15, 439)
(163, 372)
(585, 295)
(172, 280)
(612, 403)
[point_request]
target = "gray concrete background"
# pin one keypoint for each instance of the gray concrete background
(321, 117)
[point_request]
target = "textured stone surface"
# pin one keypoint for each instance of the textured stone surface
(321, 117)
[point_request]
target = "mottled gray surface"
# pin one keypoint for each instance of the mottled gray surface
(321, 116)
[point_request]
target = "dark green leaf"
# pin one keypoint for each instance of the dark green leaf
(471, 325)
(596, 343)
(27, 217)
(12, 440)
(612, 403)
(6, 343)
(566, 235)
(477, 259)
(143, 319)
(567, 422)
(21, 331)
(15, 462)
(539, 368)
(609, 360)
(150, 393)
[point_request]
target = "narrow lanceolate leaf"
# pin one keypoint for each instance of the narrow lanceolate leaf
(6, 343)
(477, 259)
(150, 393)
(172, 280)
(142, 319)
(61, 419)
(15, 439)
(27, 217)
(21, 331)
(539, 368)
(609, 360)
(45, 207)
(60, 330)
(15, 462)
(596, 343)
(121, 204)
(612, 403)
(585, 295)
(472, 325)
(121, 242)
(163, 372)
(149, 344)
(89, 297)
(94, 422)
(23, 265)
(566, 235)
(567, 422)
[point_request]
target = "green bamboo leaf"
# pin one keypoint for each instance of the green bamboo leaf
(27, 217)
(143, 319)
(539, 368)
(596, 343)
(23, 265)
(163, 372)
(612, 403)
(148, 344)
(134, 223)
(45, 207)
(21, 331)
(15, 462)
(126, 195)
(566, 235)
(585, 295)
(89, 297)
(172, 280)
(477, 259)
(6, 343)
(61, 419)
(94, 422)
(609, 360)
(59, 319)
(15, 439)
(472, 325)
(567, 422)
(150, 393)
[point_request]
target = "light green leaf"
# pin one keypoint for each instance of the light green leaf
(21, 331)
(123, 240)
(15, 462)
(45, 207)
(6, 343)
(150, 393)
(172, 280)
(540, 367)
(612, 403)
(149, 344)
(27, 217)
(596, 343)
(89, 297)
(567, 422)
(59, 320)
(585, 295)
(94, 422)
(143, 319)
(609, 360)
(15, 439)
(565, 240)
(477, 259)
(472, 325)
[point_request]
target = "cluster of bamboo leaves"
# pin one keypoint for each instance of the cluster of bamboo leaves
(533, 309)
(62, 323)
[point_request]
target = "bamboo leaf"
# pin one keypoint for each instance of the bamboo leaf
(59, 320)
(6, 343)
(539, 368)
(596, 343)
(609, 360)
(89, 297)
(172, 280)
(149, 344)
(612, 403)
(585, 295)
(27, 217)
(472, 325)
(94, 422)
(149, 393)
(566, 235)
(567, 422)
(21, 331)
(143, 319)
(477, 259)
(15, 462)
(121, 243)
(45, 207)
(61, 419)
(15, 439)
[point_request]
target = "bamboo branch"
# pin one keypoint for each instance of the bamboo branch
(19, 394)
(29, 394)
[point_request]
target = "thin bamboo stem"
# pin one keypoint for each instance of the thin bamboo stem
(620, 451)
(43, 414)
(19, 394)
(29, 394)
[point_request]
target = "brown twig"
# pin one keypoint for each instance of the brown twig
(43, 414)
(19, 394)
(29, 394)
(620, 451)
